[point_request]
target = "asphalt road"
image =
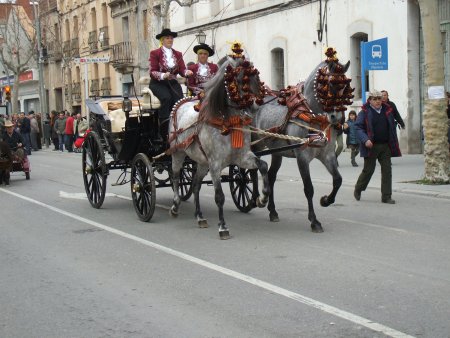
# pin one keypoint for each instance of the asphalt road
(68, 270)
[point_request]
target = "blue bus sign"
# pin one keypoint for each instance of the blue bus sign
(374, 56)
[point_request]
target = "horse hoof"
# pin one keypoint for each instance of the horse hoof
(203, 224)
(316, 228)
(261, 202)
(224, 234)
(173, 213)
(324, 201)
(274, 217)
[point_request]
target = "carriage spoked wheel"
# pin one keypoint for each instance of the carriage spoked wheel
(242, 186)
(94, 169)
(187, 172)
(143, 189)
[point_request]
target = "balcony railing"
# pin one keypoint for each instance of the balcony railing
(93, 42)
(122, 54)
(54, 50)
(95, 87)
(106, 86)
(103, 37)
(76, 91)
(67, 49)
(75, 47)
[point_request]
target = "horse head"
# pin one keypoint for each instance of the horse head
(327, 89)
(235, 87)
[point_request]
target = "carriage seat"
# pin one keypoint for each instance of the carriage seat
(118, 118)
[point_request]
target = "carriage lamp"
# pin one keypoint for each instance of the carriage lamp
(126, 105)
(201, 37)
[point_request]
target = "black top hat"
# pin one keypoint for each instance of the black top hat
(166, 32)
(205, 47)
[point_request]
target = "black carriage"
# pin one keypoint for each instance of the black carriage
(128, 130)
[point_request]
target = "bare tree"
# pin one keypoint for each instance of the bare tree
(435, 125)
(17, 47)
(165, 6)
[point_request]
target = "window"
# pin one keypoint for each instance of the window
(277, 68)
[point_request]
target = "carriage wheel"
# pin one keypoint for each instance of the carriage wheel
(94, 170)
(187, 172)
(242, 186)
(143, 189)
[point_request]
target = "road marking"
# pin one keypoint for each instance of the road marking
(228, 272)
(372, 225)
(82, 196)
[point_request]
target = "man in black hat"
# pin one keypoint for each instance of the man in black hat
(165, 64)
(203, 70)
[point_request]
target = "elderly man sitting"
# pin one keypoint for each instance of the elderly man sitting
(12, 144)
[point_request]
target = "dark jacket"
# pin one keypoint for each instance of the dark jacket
(397, 116)
(364, 129)
(25, 127)
(352, 138)
(13, 140)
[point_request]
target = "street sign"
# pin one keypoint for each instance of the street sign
(104, 59)
(374, 56)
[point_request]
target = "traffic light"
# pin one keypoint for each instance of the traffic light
(8, 93)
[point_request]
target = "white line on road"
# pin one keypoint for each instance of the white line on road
(231, 273)
(82, 196)
(372, 225)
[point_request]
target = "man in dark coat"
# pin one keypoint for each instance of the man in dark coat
(376, 131)
(25, 130)
(397, 117)
(203, 70)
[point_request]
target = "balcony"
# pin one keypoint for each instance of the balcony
(76, 91)
(54, 50)
(122, 57)
(93, 42)
(103, 37)
(95, 87)
(75, 47)
(106, 86)
(66, 49)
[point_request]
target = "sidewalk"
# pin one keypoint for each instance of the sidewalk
(405, 170)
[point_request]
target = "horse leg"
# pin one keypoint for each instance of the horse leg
(219, 198)
(262, 200)
(177, 164)
(275, 165)
(331, 164)
(196, 186)
(308, 187)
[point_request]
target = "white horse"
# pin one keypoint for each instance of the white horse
(213, 136)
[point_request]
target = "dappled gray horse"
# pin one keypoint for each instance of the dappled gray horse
(327, 92)
(210, 133)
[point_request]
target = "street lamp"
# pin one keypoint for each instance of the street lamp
(42, 95)
(201, 37)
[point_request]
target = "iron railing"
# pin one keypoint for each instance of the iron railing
(122, 54)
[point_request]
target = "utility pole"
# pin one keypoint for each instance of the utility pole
(42, 96)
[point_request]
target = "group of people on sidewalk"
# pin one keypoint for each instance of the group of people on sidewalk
(66, 128)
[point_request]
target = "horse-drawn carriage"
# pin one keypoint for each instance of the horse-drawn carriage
(208, 136)
(124, 135)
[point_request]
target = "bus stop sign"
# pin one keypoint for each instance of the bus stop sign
(375, 55)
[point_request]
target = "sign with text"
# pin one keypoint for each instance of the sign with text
(104, 59)
(374, 56)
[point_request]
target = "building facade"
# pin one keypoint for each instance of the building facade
(286, 40)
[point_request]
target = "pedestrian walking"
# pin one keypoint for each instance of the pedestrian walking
(54, 134)
(68, 134)
(25, 130)
(376, 131)
(60, 127)
(352, 139)
(34, 131)
(385, 99)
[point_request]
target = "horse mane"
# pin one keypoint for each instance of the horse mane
(215, 100)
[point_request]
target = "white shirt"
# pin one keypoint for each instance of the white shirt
(169, 56)
(203, 69)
